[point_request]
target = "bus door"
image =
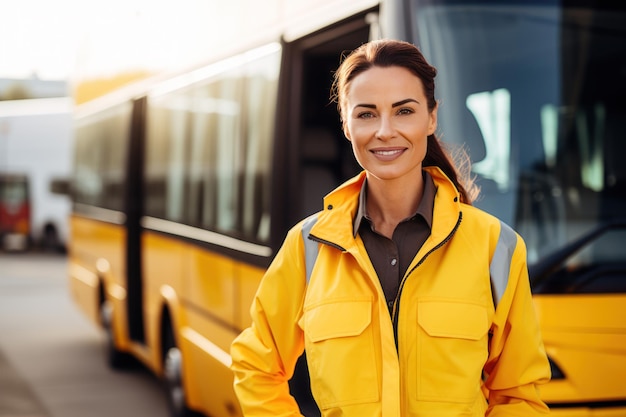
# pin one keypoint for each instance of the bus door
(315, 147)
(134, 210)
(320, 154)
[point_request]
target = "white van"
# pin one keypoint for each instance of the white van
(36, 141)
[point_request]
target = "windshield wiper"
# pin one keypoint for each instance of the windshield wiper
(546, 266)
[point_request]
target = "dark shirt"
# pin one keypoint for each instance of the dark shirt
(391, 257)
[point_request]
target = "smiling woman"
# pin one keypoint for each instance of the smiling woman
(389, 132)
(397, 243)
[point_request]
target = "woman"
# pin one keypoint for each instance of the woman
(417, 303)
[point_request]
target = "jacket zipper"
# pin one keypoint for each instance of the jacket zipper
(396, 302)
(326, 242)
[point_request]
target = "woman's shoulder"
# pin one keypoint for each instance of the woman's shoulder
(483, 220)
(478, 214)
(303, 226)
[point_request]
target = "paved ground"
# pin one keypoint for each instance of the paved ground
(51, 357)
(16, 396)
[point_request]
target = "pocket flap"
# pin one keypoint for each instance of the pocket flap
(453, 319)
(337, 319)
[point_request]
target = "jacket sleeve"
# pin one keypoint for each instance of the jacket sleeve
(517, 362)
(264, 355)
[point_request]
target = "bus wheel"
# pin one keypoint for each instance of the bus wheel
(116, 359)
(173, 378)
(50, 240)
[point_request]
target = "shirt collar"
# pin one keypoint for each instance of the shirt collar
(424, 209)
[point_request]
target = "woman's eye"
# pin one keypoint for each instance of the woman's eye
(405, 111)
(365, 115)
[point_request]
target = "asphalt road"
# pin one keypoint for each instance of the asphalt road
(51, 357)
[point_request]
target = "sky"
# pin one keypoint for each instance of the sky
(52, 39)
(74, 40)
(39, 37)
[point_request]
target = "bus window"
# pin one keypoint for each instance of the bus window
(492, 110)
(541, 124)
(534, 91)
(205, 166)
(261, 79)
(101, 157)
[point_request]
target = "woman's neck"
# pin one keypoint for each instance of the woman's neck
(390, 202)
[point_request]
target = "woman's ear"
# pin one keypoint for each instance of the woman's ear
(432, 125)
(346, 131)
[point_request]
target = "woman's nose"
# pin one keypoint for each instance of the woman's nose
(385, 128)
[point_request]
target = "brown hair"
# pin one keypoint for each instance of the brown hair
(387, 53)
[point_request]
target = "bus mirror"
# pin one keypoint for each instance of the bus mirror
(373, 21)
(60, 186)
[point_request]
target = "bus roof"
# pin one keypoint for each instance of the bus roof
(37, 106)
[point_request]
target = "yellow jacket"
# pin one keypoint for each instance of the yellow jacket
(464, 316)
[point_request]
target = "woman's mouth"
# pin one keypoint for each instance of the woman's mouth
(387, 154)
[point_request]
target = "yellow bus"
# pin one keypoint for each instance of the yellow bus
(185, 184)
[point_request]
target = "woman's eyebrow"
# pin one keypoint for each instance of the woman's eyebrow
(396, 104)
(369, 106)
(406, 100)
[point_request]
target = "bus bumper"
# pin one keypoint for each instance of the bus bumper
(15, 242)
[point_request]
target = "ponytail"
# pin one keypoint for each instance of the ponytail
(456, 167)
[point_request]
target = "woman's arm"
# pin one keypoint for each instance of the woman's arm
(517, 362)
(264, 355)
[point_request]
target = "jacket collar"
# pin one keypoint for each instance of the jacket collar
(335, 222)
(424, 209)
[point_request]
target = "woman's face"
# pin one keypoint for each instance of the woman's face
(387, 121)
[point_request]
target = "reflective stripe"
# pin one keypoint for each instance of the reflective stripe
(311, 247)
(499, 268)
(501, 262)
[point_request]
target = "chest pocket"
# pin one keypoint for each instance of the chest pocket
(451, 350)
(340, 347)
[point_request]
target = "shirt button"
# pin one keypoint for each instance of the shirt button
(394, 261)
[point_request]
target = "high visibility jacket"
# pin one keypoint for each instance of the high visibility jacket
(462, 325)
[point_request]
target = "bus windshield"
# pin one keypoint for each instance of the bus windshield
(534, 92)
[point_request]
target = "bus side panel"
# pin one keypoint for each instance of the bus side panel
(213, 307)
(210, 287)
(202, 315)
(249, 278)
(162, 265)
(96, 253)
(585, 345)
(208, 378)
(84, 289)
